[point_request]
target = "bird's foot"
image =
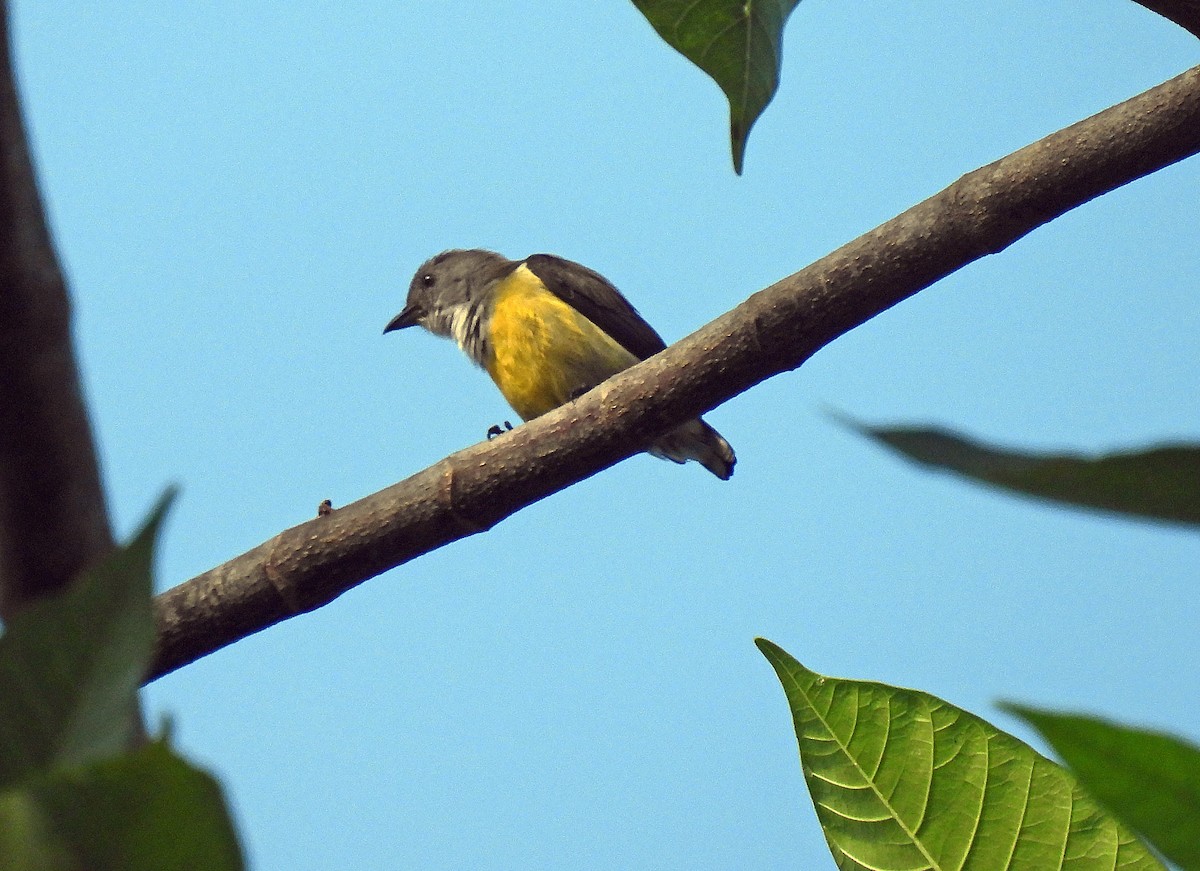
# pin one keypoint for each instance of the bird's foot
(495, 430)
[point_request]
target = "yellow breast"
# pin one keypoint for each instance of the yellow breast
(543, 352)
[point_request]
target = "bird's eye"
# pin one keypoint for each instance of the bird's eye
(427, 279)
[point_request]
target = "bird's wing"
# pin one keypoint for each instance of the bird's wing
(591, 294)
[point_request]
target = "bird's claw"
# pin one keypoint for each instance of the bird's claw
(495, 430)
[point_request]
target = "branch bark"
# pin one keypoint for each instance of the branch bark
(53, 517)
(1185, 13)
(773, 331)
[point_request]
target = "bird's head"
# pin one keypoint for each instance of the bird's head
(453, 283)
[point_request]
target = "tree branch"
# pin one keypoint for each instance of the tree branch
(775, 330)
(53, 519)
(1185, 13)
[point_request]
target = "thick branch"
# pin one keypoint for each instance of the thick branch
(773, 331)
(53, 520)
(1185, 13)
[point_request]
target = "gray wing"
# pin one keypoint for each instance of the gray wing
(591, 294)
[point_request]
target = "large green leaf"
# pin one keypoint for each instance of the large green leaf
(1148, 779)
(737, 42)
(71, 797)
(143, 811)
(70, 664)
(1162, 482)
(903, 780)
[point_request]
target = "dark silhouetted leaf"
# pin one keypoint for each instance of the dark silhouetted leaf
(1185, 13)
(1162, 483)
(903, 780)
(1148, 779)
(737, 42)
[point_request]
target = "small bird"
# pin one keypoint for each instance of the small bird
(547, 330)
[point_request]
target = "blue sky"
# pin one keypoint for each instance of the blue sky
(240, 196)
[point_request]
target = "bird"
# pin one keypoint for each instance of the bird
(547, 330)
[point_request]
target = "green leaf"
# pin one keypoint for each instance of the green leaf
(70, 798)
(70, 664)
(903, 780)
(1162, 483)
(143, 811)
(1148, 779)
(27, 840)
(737, 42)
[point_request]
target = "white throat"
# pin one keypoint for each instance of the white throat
(464, 324)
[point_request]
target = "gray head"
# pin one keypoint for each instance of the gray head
(447, 292)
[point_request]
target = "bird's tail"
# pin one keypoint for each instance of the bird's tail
(698, 441)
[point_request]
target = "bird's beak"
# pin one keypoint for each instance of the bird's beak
(409, 317)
